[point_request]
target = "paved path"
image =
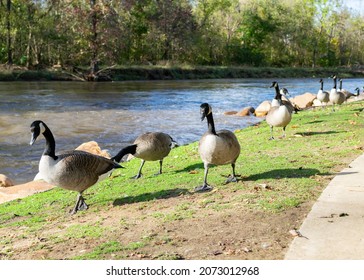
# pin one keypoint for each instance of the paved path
(334, 229)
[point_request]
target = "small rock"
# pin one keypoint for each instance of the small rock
(247, 111)
(93, 148)
(5, 181)
(265, 245)
(263, 109)
(229, 113)
(304, 100)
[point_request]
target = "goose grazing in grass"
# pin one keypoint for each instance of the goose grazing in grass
(323, 96)
(279, 115)
(336, 97)
(150, 146)
(74, 170)
(216, 147)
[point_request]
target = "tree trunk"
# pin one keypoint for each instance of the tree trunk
(8, 28)
(94, 46)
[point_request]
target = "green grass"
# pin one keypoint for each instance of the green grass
(275, 176)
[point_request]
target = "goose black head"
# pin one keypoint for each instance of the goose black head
(274, 84)
(36, 128)
(284, 91)
(205, 110)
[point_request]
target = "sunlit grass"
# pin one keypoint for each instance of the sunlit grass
(274, 176)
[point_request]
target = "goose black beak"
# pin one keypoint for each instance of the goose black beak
(32, 140)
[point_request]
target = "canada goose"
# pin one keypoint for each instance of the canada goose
(216, 147)
(280, 115)
(347, 93)
(149, 146)
(322, 96)
(291, 107)
(74, 170)
(335, 96)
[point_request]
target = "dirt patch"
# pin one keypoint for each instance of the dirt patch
(152, 231)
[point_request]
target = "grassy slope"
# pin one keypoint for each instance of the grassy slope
(276, 176)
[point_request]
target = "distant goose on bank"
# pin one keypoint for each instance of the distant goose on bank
(336, 97)
(323, 96)
(347, 93)
(279, 115)
(74, 170)
(216, 147)
(150, 146)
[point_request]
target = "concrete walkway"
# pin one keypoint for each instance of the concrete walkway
(334, 229)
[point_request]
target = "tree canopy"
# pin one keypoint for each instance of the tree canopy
(295, 33)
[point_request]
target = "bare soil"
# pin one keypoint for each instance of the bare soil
(231, 233)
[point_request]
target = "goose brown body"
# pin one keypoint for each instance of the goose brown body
(150, 146)
(278, 116)
(153, 146)
(216, 147)
(73, 170)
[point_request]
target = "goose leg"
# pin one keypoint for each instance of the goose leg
(205, 187)
(233, 177)
(80, 204)
(160, 167)
(271, 133)
(284, 132)
(140, 170)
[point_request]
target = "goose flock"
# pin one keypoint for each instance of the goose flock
(79, 170)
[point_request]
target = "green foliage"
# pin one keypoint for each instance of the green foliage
(294, 33)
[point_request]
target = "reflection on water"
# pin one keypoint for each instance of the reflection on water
(114, 114)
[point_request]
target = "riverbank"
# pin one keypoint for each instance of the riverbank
(128, 73)
(153, 217)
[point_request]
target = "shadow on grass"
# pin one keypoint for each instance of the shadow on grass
(191, 167)
(285, 173)
(310, 133)
(164, 194)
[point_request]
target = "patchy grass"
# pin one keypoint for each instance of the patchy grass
(160, 217)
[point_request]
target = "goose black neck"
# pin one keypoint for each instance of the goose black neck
(210, 124)
(334, 83)
(322, 85)
(341, 85)
(127, 150)
(278, 94)
(50, 148)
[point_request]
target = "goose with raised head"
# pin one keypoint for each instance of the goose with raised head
(347, 93)
(291, 106)
(279, 115)
(336, 97)
(323, 96)
(216, 147)
(73, 170)
(150, 146)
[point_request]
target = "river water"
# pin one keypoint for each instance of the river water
(114, 114)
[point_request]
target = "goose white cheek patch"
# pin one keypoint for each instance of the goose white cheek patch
(42, 128)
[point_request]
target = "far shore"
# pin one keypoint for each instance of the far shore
(130, 73)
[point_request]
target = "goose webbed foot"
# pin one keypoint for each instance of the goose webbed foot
(203, 188)
(80, 205)
(231, 179)
(271, 138)
(137, 176)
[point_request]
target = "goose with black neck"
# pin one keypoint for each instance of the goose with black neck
(216, 147)
(73, 170)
